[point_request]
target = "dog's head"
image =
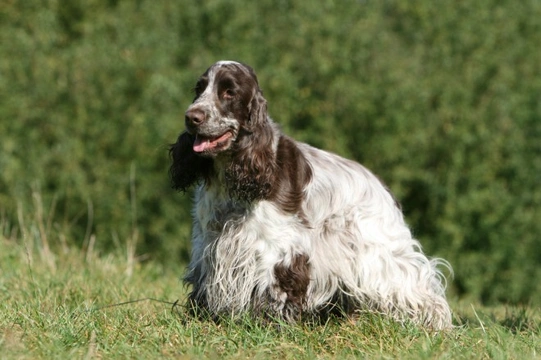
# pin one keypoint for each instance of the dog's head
(227, 116)
(228, 102)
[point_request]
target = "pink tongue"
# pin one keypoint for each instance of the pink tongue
(200, 145)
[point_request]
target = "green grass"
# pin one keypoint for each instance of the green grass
(56, 303)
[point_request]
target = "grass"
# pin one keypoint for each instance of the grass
(57, 301)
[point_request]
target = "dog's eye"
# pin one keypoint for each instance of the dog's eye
(228, 94)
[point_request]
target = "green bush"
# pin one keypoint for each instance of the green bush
(441, 99)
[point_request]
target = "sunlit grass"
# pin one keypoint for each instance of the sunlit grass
(69, 303)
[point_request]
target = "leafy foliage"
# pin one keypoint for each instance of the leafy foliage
(441, 99)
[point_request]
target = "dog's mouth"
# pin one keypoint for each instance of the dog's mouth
(206, 144)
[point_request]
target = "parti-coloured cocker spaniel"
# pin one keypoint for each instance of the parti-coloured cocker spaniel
(285, 230)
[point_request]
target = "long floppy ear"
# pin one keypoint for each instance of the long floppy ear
(187, 167)
(251, 174)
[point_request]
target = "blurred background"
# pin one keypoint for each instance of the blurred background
(441, 99)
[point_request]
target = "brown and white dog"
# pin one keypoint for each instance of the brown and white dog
(285, 230)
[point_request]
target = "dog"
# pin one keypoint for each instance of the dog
(284, 230)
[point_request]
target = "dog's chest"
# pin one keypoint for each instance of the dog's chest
(213, 212)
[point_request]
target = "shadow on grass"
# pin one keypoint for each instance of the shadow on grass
(516, 320)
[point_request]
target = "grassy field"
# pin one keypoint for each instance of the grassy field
(61, 302)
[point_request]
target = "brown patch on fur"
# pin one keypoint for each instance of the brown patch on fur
(293, 280)
(258, 174)
(292, 176)
(252, 170)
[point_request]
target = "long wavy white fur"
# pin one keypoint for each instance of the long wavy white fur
(356, 240)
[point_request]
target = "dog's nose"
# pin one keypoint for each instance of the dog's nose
(194, 117)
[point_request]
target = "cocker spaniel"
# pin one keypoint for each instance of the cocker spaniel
(282, 229)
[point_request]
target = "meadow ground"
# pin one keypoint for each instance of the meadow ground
(69, 303)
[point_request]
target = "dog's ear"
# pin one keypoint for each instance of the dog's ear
(252, 172)
(187, 167)
(256, 104)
